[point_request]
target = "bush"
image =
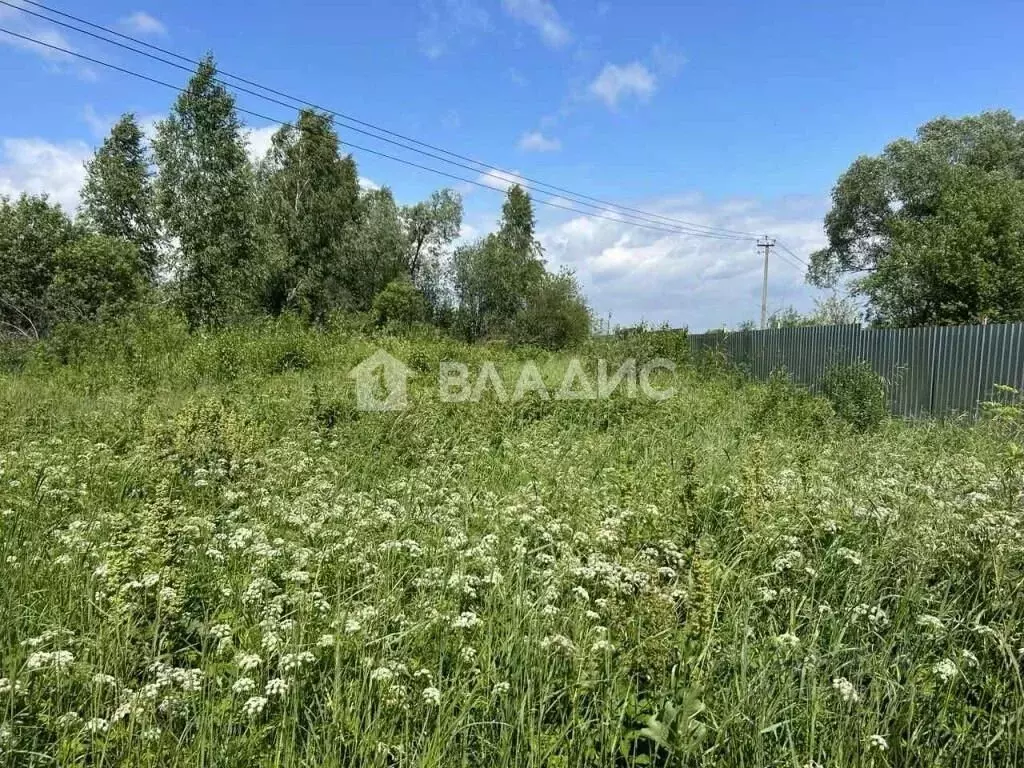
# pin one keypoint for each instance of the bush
(857, 394)
(97, 278)
(400, 303)
(643, 344)
(555, 315)
(782, 405)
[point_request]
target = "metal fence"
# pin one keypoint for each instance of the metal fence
(935, 371)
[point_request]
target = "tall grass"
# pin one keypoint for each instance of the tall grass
(208, 556)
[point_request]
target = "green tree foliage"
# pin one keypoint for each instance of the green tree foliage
(118, 198)
(518, 224)
(310, 201)
(430, 227)
(378, 257)
(97, 278)
(205, 196)
(494, 277)
(835, 310)
(932, 230)
(555, 315)
(400, 303)
(32, 231)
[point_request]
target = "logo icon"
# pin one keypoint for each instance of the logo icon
(381, 383)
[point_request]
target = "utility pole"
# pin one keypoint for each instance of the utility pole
(767, 243)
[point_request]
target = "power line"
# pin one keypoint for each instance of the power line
(577, 198)
(789, 261)
(378, 153)
(784, 247)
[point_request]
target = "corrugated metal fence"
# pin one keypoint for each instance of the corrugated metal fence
(935, 371)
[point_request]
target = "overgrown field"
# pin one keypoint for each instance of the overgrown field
(208, 556)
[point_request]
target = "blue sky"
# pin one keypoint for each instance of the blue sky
(736, 114)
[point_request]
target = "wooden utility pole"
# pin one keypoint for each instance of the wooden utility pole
(767, 243)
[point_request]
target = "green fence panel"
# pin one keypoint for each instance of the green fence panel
(935, 371)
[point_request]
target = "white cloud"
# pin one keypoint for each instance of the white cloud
(148, 125)
(615, 83)
(448, 22)
(100, 124)
(640, 274)
(543, 17)
(535, 141)
(36, 167)
(500, 179)
(28, 26)
(141, 23)
(258, 141)
(368, 184)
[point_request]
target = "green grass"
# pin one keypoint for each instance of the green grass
(730, 577)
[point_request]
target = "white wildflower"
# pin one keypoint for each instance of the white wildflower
(432, 696)
(945, 670)
(293, 661)
(787, 640)
(220, 631)
(845, 689)
(248, 661)
(850, 556)
(254, 705)
(57, 660)
(794, 558)
(876, 741)
(275, 687)
(97, 725)
(465, 620)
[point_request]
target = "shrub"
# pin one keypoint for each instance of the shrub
(858, 395)
(14, 355)
(783, 405)
(644, 343)
(555, 315)
(400, 303)
(97, 278)
(1006, 410)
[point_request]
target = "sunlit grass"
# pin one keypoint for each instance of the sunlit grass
(209, 557)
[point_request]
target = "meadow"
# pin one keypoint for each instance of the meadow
(209, 556)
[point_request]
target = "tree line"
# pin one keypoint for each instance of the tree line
(192, 222)
(931, 231)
